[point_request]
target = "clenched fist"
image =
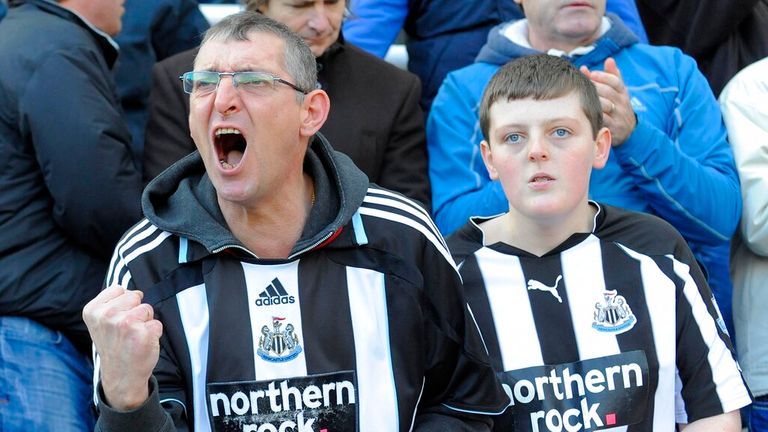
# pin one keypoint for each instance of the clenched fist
(127, 339)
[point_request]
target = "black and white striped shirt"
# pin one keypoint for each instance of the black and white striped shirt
(353, 334)
(611, 329)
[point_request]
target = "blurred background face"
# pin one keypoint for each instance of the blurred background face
(106, 15)
(318, 22)
(575, 20)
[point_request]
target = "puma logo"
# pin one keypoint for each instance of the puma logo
(536, 285)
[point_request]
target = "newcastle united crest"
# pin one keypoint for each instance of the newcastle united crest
(613, 314)
(278, 345)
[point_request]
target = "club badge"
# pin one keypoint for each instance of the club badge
(278, 345)
(613, 315)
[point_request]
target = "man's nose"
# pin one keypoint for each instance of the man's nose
(319, 21)
(227, 97)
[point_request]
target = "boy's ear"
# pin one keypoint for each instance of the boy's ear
(314, 112)
(485, 150)
(602, 148)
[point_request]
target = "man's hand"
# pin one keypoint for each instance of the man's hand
(127, 338)
(618, 114)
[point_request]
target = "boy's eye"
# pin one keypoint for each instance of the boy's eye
(561, 133)
(513, 138)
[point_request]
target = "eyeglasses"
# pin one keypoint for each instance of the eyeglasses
(201, 83)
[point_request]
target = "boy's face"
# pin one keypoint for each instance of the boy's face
(543, 151)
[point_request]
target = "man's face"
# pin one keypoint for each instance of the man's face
(577, 21)
(248, 141)
(318, 22)
(542, 151)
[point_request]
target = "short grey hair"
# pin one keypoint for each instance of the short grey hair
(299, 60)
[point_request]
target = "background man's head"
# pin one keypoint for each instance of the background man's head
(318, 22)
(106, 15)
(540, 77)
(562, 24)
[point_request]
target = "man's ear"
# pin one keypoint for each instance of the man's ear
(314, 111)
(485, 150)
(602, 148)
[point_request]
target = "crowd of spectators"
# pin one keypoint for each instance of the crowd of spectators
(92, 110)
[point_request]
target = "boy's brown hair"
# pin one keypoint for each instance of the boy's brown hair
(541, 77)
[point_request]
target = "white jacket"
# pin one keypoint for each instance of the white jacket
(745, 111)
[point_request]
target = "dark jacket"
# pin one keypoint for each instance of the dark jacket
(723, 36)
(152, 31)
(68, 186)
(375, 118)
(401, 332)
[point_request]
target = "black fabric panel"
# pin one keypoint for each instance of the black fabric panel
(555, 330)
(229, 323)
(620, 273)
(329, 344)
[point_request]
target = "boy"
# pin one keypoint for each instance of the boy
(594, 317)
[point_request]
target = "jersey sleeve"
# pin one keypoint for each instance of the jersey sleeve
(710, 380)
(460, 382)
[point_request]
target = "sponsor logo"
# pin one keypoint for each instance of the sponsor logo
(636, 104)
(581, 396)
(274, 294)
(278, 345)
(536, 285)
(720, 321)
(613, 314)
(325, 402)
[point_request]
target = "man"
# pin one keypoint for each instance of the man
(443, 35)
(670, 156)
(746, 116)
(730, 36)
(614, 315)
(272, 268)
(68, 189)
(375, 118)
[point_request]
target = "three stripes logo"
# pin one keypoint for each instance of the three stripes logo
(274, 294)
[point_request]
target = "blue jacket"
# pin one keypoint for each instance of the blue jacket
(444, 35)
(676, 164)
(68, 186)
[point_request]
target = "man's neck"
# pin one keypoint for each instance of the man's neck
(272, 227)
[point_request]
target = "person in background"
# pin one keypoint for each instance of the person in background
(375, 119)
(269, 266)
(745, 112)
(723, 37)
(68, 190)
(152, 31)
(443, 35)
(604, 309)
(3, 9)
(670, 156)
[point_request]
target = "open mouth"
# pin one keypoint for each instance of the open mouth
(540, 179)
(230, 147)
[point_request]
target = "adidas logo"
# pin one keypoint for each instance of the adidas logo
(274, 294)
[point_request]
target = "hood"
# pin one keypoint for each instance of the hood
(182, 200)
(500, 50)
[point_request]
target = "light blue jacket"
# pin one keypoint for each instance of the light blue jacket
(676, 164)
